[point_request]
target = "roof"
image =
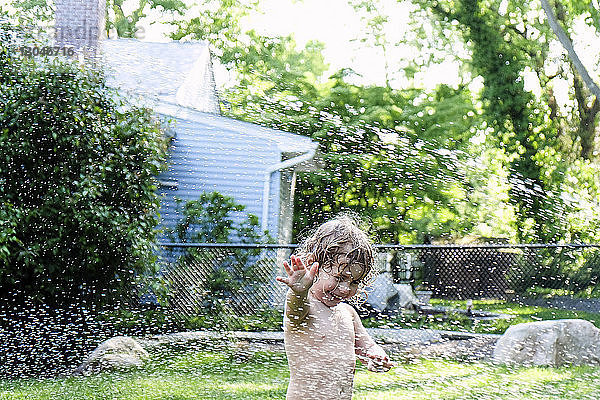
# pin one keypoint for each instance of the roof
(175, 79)
(286, 142)
(176, 72)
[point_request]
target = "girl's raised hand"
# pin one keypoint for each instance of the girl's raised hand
(299, 277)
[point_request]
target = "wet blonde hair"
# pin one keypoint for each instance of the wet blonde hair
(329, 242)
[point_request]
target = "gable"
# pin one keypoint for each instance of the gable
(173, 72)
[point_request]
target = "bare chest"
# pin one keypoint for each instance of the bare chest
(321, 355)
(326, 336)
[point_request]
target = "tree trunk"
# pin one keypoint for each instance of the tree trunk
(566, 42)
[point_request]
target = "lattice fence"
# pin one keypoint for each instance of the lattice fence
(497, 271)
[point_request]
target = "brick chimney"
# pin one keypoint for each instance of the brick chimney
(80, 23)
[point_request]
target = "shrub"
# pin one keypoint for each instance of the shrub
(210, 219)
(78, 205)
(215, 285)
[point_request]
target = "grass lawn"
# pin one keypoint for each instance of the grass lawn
(517, 313)
(218, 375)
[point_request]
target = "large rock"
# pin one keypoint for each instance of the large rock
(406, 297)
(382, 291)
(550, 343)
(120, 352)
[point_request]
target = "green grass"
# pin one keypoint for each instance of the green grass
(217, 375)
(193, 375)
(517, 313)
(437, 379)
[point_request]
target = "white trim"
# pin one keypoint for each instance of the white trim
(286, 142)
(267, 183)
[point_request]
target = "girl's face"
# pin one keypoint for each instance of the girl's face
(339, 283)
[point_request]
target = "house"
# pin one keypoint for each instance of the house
(253, 164)
(209, 152)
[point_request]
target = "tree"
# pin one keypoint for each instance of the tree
(33, 12)
(504, 45)
(126, 26)
(567, 44)
(587, 113)
(375, 22)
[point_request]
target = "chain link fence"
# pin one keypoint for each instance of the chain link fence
(239, 279)
(217, 279)
(497, 271)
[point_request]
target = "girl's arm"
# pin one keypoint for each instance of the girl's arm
(299, 279)
(366, 349)
(296, 306)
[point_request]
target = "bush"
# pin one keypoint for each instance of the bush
(79, 209)
(210, 219)
(215, 286)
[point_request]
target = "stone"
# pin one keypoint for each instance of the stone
(405, 337)
(549, 343)
(478, 348)
(383, 291)
(406, 297)
(117, 353)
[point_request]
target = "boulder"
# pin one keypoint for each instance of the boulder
(406, 297)
(405, 337)
(550, 343)
(120, 352)
(382, 291)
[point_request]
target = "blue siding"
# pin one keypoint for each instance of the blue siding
(208, 158)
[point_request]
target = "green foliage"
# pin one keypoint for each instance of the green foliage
(225, 278)
(502, 51)
(453, 320)
(139, 321)
(556, 135)
(126, 26)
(219, 372)
(261, 320)
(77, 185)
(219, 24)
(210, 219)
(32, 12)
(37, 14)
(389, 155)
(576, 271)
